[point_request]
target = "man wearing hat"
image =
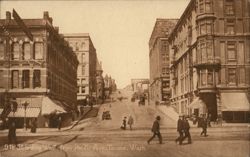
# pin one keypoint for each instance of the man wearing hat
(156, 130)
(180, 129)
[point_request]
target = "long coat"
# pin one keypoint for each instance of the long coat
(180, 125)
(186, 125)
(156, 126)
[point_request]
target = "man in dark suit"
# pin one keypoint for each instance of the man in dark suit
(156, 130)
(12, 132)
(204, 126)
(180, 130)
(186, 128)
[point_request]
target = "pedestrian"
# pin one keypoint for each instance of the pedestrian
(209, 120)
(124, 123)
(130, 122)
(12, 132)
(180, 130)
(186, 128)
(33, 125)
(204, 126)
(59, 125)
(156, 130)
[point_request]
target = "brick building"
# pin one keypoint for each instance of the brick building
(210, 59)
(86, 72)
(159, 61)
(39, 73)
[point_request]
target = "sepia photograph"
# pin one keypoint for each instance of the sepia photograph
(124, 78)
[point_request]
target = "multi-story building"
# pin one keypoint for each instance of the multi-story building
(39, 74)
(159, 61)
(99, 83)
(86, 72)
(210, 59)
(109, 86)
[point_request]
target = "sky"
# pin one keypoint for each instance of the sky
(120, 29)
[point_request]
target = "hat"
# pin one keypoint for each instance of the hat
(158, 118)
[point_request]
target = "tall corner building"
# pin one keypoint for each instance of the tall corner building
(159, 89)
(210, 60)
(83, 47)
(39, 73)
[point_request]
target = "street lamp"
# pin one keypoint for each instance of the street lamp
(25, 104)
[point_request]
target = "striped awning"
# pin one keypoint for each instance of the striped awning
(30, 112)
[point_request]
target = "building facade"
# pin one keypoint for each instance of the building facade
(83, 47)
(210, 60)
(159, 61)
(39, 74)
(99, 83)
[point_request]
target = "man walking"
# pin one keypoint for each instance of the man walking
(124, 123)
(12, 133)
(180, 130)
(204, 126)
(186, 128)
(130, 122)
(156, 130)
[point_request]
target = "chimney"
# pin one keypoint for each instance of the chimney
(57, 29)
(8, 16)
(46, 16)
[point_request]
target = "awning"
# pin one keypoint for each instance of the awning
(30, 112)
(197, 103)
(50, 106)
(234, 102)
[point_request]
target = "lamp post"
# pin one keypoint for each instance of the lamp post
(25, 104)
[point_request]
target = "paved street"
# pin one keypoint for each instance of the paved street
(97, 137)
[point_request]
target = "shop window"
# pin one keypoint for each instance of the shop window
(231, 50)
(38, 51)
(15, 78)
(15, 51)
(232, 75)
(26, 78)
(229, 7)
(26, 51)
(37, 78)
(230, 26)
(1, 51)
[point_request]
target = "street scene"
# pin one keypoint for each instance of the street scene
(125, 78)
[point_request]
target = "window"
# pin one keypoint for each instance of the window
(26, 51)
(26, 79)
(201, 6)
(164, 46)
(1, 51)
(203, 77)
(15, 51)
(15, 78)
(210, 77)
(242, 76)
(203, 52)
(206, 28)
(232, 76)
(83, 57)
(36, 78)
(229, 7)
(38, 51)
(78, 89)
(231, 51)
(208, 6)
(1, 79)
(83, 89)
(83, 70)
(230, 26)
(82, 45)
(77, 46)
